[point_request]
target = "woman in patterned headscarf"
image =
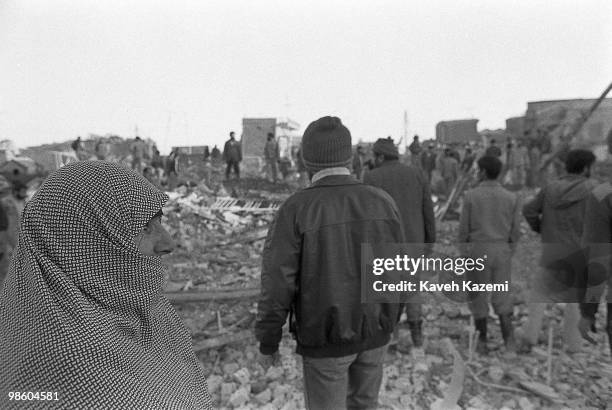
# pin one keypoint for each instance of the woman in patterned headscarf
(82, 313)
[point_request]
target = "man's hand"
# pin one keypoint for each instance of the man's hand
(585, 325)
(266, 361)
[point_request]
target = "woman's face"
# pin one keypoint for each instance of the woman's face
(154, 239)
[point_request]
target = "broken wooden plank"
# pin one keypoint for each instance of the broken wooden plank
(455, 387)
(209, 295)
(223, 340)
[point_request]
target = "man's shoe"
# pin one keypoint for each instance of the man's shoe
(416, 332)
(481, 328)
(507, 330)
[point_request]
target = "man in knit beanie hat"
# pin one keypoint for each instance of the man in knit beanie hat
(409, 188)
(311, 273)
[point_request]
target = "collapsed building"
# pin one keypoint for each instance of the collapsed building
(457, 132)
(547, 122)
(254, 136)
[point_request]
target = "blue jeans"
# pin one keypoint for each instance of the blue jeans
(348, 382)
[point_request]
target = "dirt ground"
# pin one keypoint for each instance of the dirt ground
(413, 379)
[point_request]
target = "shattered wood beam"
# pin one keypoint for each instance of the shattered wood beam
(583, 119)
(212, 295)
(455, 387)
(223, 340)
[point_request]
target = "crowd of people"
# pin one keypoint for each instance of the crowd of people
(312, 268)
(82, 311)
(443, 164)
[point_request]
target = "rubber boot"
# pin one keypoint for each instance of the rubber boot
(481, 327)
(416, 332)
(507, 330)
(609, 326)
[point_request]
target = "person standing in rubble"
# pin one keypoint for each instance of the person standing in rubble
(415, 151)
(428, 161)
(493, 150)
(410, 190)
(232, 154)
(311, 272)
(138, 154)
(490, 225)
(272, 156)
(449, 169)
(557, 213)
(215, 154)
(77, 147)
(597, 240)
(172, 168)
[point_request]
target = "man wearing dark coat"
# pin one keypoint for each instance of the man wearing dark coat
(232, 154)
(409, 188)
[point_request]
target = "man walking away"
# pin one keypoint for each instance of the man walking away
(415, 151)
(557, 213)
(232, 154)
(410, 190)
(490, 224)
(597, 237)
(312, 272)
(428, 161)
(272, 158)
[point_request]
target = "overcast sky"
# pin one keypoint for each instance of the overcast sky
(187, 72)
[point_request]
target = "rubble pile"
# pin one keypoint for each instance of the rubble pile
(221, 251)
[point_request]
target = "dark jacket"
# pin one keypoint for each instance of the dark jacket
(428, 160)
(493, 151)
(410, 191)
(232, 151)
(597, 238)
(312, 268)
(557, 213)
(271, 151)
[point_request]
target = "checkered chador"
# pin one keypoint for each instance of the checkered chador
(82, 311)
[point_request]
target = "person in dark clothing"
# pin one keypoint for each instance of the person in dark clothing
(410, 190)
(415, 151)
(428, 161)
(215, 153)
(77, 147)
(557, 213)
(311, 271)
(597, 239)
(493, 150)
(272, 156)
(232, 154)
